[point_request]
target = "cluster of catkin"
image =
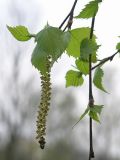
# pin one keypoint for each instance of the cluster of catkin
(44, 104)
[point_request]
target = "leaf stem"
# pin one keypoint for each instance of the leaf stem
(110, 58)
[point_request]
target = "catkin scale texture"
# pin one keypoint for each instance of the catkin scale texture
(44, 104)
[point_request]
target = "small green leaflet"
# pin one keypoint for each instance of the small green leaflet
(50, 41)
(87, 48)
(94, 112)
(74, 78)
(82, 66)
(94, 116)
(97, 109)
(97, 80)
(77, 35)
(20, 33)
(90, 10)
(82, 116)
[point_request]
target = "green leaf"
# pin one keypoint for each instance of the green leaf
(97, 80)
(53, 41)
(93, 112)
(38, 59)
(82, 66)
(89, 11)
(94, 116)
(118, 46)
(87, 48)
(50, 41)
(97, 109)
(77, 35)
(20, 33)
(74, 78)
(82, 116)
(94, 57)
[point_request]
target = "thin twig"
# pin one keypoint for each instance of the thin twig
(64, 21)
(91, 99)
(70, 14)
(110, 58)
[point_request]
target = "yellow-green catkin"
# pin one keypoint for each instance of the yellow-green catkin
(44, 104)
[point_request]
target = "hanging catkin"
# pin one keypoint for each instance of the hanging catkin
(44, 104)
